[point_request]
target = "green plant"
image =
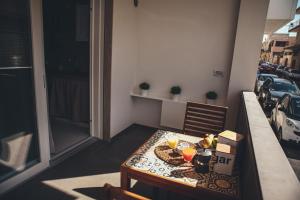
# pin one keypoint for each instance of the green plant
(144, 86)
(175, 90)
(211, 95)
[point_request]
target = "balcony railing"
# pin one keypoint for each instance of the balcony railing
(293, 26)
(266, 172)
(277, 49)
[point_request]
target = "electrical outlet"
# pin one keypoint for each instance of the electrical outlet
(218, 73)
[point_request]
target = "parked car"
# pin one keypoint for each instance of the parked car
(265, 68)
(286, 118)
(294, 74)
(274, 67)
(260, 79)
(273, 89)
(279, 70)
(285, 72)
(261, 62)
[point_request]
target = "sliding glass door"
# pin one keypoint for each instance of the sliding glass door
(19, 138)
(24, 123)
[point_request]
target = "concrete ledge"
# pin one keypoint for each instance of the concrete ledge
(276, 178)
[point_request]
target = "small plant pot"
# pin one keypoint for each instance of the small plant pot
(175, 97)
(144, 93)
(211, 101)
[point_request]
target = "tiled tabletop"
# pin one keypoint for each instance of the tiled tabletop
(146, 160)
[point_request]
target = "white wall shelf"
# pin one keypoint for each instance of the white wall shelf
(172, 112)
(158, 98)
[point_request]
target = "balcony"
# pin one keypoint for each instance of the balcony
(298, 11)
(163, 43)
(295, 48)
(279, 13)
(275, 49)
(266, 173)
(295, 26)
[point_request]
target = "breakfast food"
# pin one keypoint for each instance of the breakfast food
(214, 142)
(207, 141)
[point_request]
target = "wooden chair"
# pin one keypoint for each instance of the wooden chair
(201, 119)
(116, 193)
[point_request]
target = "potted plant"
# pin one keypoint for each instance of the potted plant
(144, 88)
(175, 92)
(211, 97)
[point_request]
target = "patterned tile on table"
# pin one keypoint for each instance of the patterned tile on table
(145, 159)
(224, 184)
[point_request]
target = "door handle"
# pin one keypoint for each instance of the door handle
(12, 68)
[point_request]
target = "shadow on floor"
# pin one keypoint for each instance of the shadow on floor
(66, 133)
(81, 175)
(139, 188)
(98, 192)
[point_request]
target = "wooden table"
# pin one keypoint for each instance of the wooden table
(146, 167)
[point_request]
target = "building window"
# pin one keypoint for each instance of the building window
(281, 43)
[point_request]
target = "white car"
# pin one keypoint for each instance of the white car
(260, 79)
(286, 118)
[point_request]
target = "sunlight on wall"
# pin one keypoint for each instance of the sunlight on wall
(266, 37)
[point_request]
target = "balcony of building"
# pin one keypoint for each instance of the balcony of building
(162, 43)
(265, 174)
(295, 26)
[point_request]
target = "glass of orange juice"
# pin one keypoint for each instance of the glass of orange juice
(188, 154)
(172, 141)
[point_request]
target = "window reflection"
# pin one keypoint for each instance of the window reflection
(19, 147)
(14, 150)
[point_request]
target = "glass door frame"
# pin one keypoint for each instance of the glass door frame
(40, 99)
(96, 67)
(95, 76)
(96, 86)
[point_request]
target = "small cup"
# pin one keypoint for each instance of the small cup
(181, 146)
(172, 141)
(188, 154)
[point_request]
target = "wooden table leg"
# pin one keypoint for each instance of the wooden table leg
(125, 180)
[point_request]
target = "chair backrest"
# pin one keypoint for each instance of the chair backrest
(116, 193)
(201, 119)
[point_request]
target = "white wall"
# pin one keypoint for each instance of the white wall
(246, 53)
(146, 112)
(182, 42)
(124, 63)
(166, 42)
(282, 9)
